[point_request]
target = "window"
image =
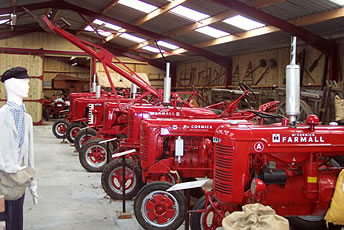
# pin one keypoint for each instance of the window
(188, 13)
(167, 45)
(210, 31)
(152, 49)
(138, 5)
(243, 22)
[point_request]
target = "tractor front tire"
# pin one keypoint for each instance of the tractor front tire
(94, 156)
(155, 208)
(112, 176)
(72, 131)
(60, 128)
(80, 138)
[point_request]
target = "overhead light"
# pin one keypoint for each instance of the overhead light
(338, 2)
(74, 64)
(243, 22)
(4, 21)
(101, 32)
(188, 13)
(4, 15)
(167, 45)
(212, 32)
(152, 49)
(138, 5)
(72, 58)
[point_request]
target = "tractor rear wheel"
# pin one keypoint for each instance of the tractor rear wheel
(94, 156)
(155, 208)
(112, 179)
(60, 128)
(72, 131)
(80, 138)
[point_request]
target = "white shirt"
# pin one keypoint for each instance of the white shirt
(11, 157)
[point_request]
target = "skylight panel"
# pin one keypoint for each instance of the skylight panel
(101, 32)
(167, 45)
(138, 5)
(188, 13)
(211, 31)
(152, 49)
(107, 25)
(338, 2)
(243, 22)
(4, 15)
(4, 21)
(132, 38)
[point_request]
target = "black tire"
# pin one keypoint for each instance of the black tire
(60, 128)
(111, 179)
(80, 137)
(196, 218)
(303, 224)
(72, 131)
(155, 196)
(94, 156)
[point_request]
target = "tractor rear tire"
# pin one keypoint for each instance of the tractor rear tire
(72, 131)
(111, 179)
(60, 128)
(155, 208)
(80, 138)
(94, 156)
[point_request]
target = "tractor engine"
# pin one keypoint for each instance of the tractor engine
(292, 169)
(184, 146)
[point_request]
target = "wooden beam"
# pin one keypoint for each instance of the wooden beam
(104, 10)
(320, 43)
(149, 16)
(201, 52)
(303, 21)
(208, 21)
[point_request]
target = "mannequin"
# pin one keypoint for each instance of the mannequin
(16, 145)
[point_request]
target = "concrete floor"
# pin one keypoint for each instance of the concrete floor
(69, 196)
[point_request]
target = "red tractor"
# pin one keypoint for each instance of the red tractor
(292, 169)
(137, 165)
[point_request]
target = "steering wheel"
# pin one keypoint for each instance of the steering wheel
(266, 115)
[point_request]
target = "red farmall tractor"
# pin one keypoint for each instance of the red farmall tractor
(136, 163)
(289, 166)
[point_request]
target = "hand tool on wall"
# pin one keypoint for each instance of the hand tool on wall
(272, 64)
(250, 71)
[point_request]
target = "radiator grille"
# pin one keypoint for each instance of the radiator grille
(224, 169)
(144, 145)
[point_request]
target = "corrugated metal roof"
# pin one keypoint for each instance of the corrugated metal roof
(292, 9)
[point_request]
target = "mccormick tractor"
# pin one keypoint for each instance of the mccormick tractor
(136, 164)
(288, 166)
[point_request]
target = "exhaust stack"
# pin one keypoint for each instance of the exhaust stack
(167, 85)
(293, 86)
(98, 91)
(133, 91)
(94, 83)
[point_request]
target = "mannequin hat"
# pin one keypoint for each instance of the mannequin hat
(15, 72)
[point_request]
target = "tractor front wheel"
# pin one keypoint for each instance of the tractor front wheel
(112, 179)
(93, 156)
(72, 131)
(207, 220)
(60, 128)
(80, 138)
(155, 208)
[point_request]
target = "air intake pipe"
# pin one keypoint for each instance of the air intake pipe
(293, 86)
(98, 91)
(167, 85)
(94, 83)
(133, 91)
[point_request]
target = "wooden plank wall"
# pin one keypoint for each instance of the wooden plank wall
(149, 73)
(34, 65)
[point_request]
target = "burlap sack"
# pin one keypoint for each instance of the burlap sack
(13, 185)
(335, 214)
(339, 108)
(255, 217)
